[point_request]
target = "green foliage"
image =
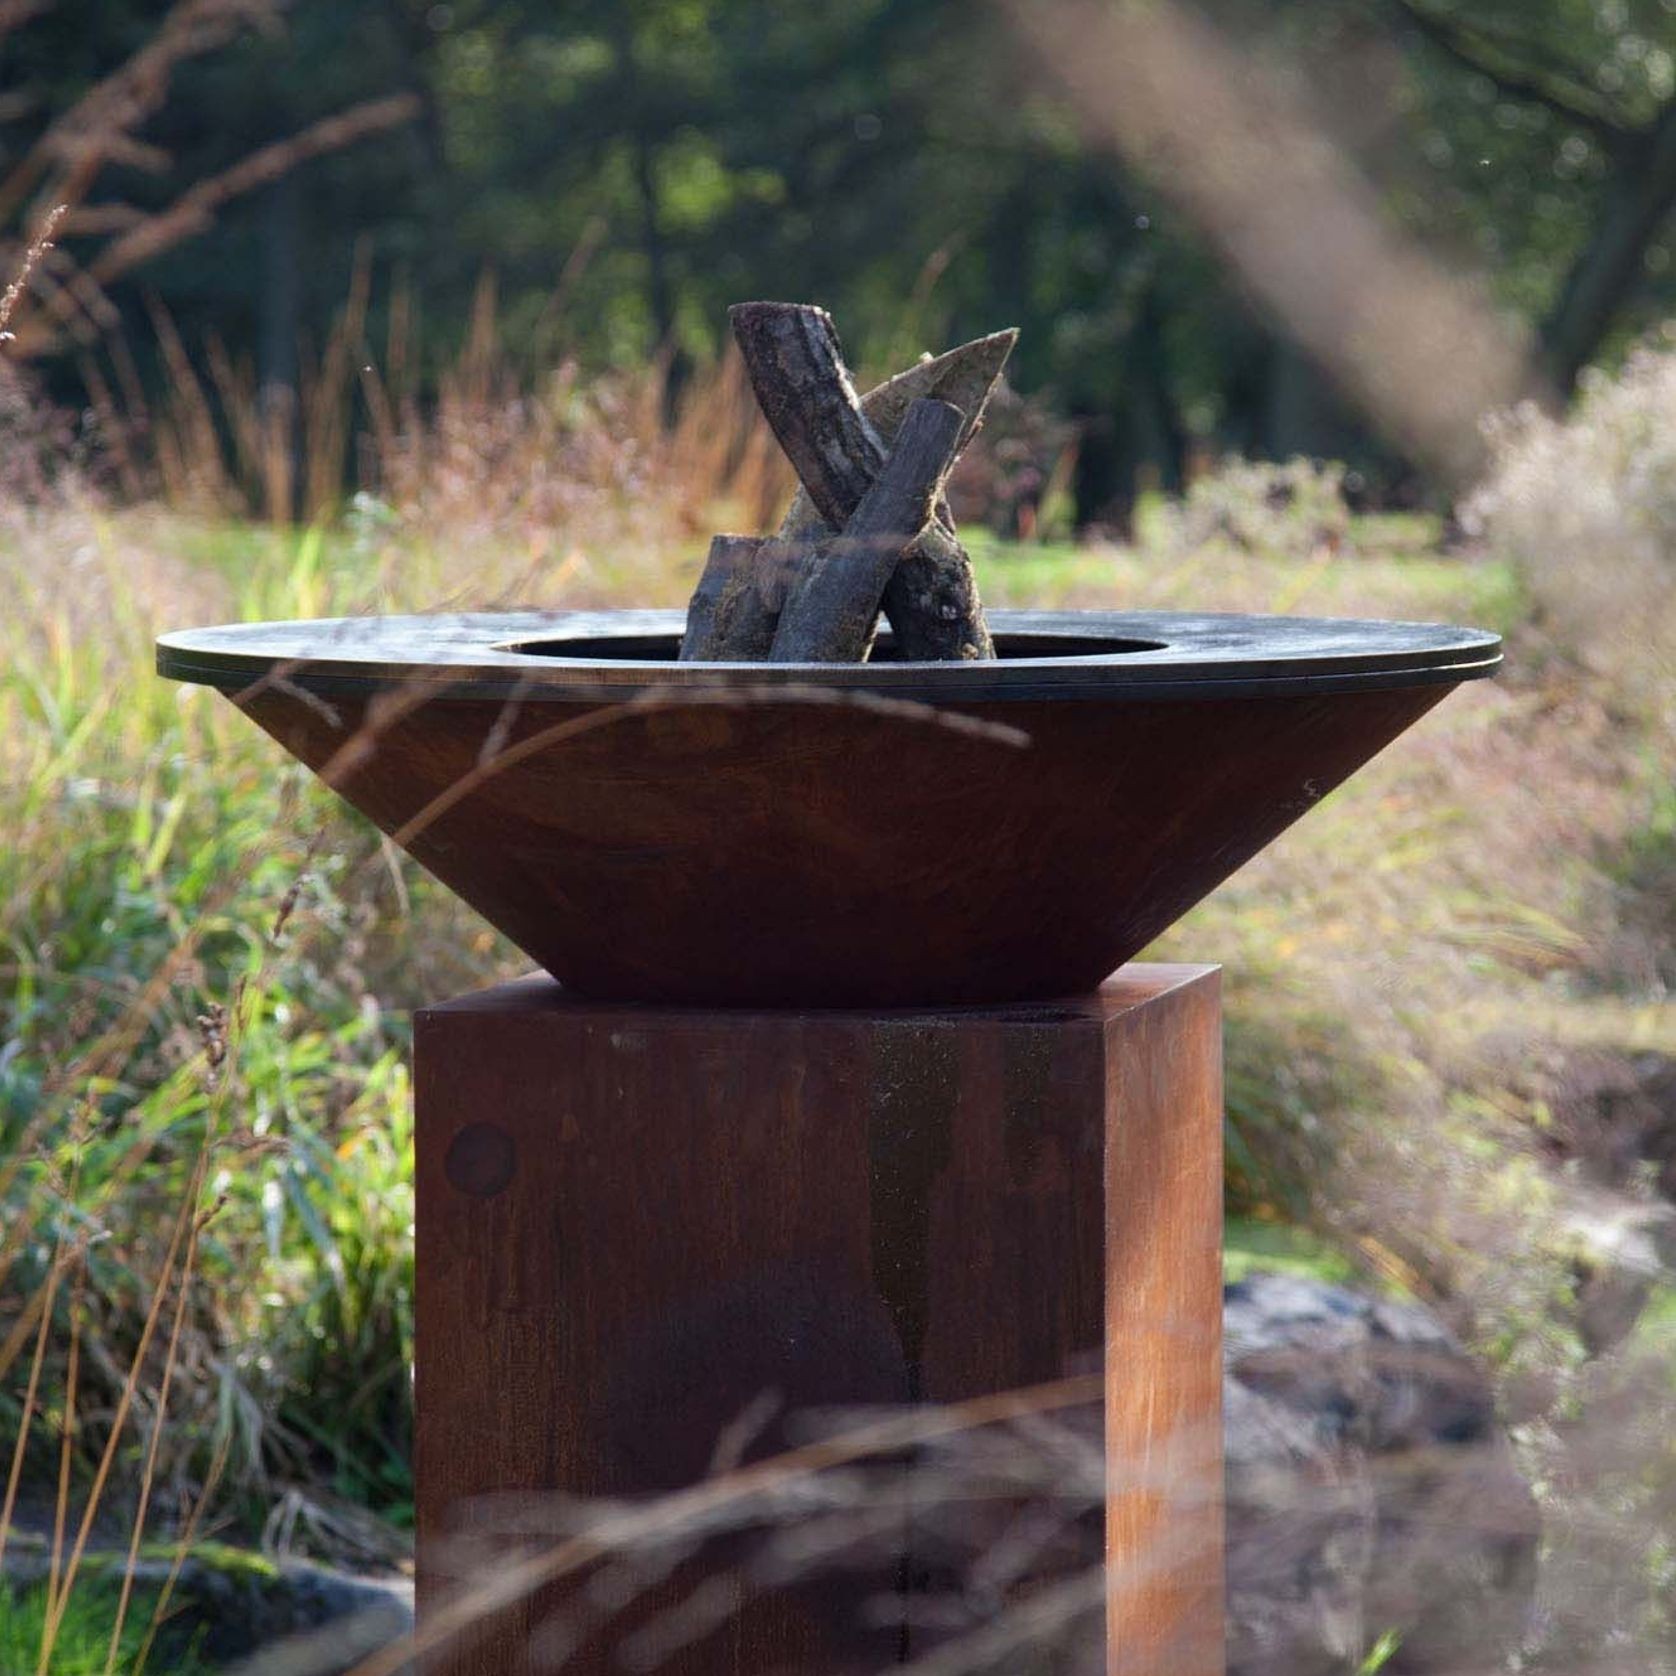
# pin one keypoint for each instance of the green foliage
(1647, 871)
(896, 161)
(1380, 1654)
(1278, 1247)
(82, 1644)
(157, 845)
(1264, 508)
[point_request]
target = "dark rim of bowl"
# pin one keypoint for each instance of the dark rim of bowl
(1044, 654)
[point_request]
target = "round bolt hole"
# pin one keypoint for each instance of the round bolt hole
(480, 1160)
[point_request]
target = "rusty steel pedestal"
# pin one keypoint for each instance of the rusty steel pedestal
(634, 1221)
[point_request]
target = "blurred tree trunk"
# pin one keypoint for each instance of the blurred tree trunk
(1104, 496)
(1159, 436)
(1011, 227)
(1142, 442)
(1607, 271)
(414, 41)
(280, 323)
(1303, 412)
(280, 304)
(660, 300)
(657, 257)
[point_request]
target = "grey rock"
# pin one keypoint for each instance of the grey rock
(1300, 1541)
(1370, 1489)
(345, 1619)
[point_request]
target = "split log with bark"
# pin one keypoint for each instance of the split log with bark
(842, 447)
(833, 602)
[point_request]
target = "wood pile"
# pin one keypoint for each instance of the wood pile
(870, 529)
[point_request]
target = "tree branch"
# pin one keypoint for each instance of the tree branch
(1553, 88)
(196, 207)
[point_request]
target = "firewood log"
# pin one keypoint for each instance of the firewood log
(964, 377)
(932, 597)
(797, 369)
(833, 601)
(792, 354)
(932, 600)
(717, 599)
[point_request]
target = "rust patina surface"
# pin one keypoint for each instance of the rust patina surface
(884, 834)
(638, 1224)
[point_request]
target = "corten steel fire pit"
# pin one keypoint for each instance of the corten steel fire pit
(668, 1183)
(878, 834)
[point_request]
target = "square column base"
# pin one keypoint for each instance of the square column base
(634, 1221)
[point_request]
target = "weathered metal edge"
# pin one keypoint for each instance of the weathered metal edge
(1215, 668)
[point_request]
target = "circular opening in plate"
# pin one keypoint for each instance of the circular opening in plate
(666, 648)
